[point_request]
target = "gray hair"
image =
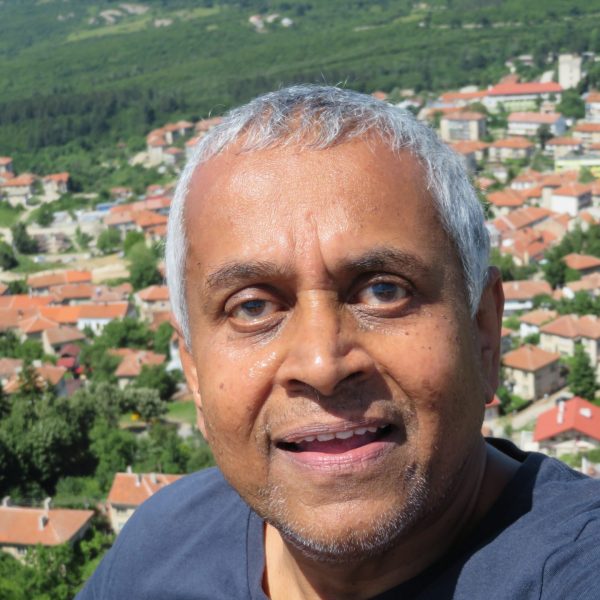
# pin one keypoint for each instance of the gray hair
(319, 117)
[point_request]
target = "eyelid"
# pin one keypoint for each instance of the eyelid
(372, 279)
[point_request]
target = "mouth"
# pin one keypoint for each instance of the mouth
(347, 447)
(337, 442)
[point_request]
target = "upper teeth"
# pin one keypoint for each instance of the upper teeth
(340, 435)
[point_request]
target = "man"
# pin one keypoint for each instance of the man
(327, 263)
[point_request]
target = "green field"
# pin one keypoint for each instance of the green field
(184, 411)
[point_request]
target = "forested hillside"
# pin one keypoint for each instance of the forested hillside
(79, 75)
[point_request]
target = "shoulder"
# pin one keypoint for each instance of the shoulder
(188, 538)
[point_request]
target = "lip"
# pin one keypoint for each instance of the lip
(313, 429)
(351, 461)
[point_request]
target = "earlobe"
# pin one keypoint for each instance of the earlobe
(489, 323)
(191, 376)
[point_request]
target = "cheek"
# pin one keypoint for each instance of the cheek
(234, 388)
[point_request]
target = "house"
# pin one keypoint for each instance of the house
(462, 99)
(462, 126)
(563, 333)
(592, 107)
(530, 372)
(123, 221)
(527, 245)
(97, 315)
(132, 362)
(588, 133)
(588, 283)
(129, 490)
(521, 218)
(526, 180)
(529, 123)
(511, 148)
(583, 263)
(152, 299)
(55, 338)
(56, 184)
(23, 527)
(559, 147)
(47, 376)
(505, 201)
(570, 427)
(19, 190)
(519, 295)
(6, 166)
(41, 283)
(533, 320)
(32, 328)
(578, 161)
(521, 96)
(571, 198)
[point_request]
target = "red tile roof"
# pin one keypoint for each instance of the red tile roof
(58, 177)
(522, 217)
(581, 262)
(154, 293)
(534, 117)
(58, 277)
(131, 489)
(465, 116)
(516, 143)
(587, 127)
(520, 89)
(24, 301)
(525, 289)
(133, 361)
(593, 97)
(23, 180)
(573, 189)
(575, 415)
(572, 326)
(114, 310)
(529, 358)
(466, 96)
(538, 317)
(563, 141)
(506, 198)
(63, 335)
(21, 526)
(5, 160)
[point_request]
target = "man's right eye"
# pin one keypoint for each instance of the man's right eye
(253, 310)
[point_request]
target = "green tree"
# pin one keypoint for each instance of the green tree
(555, 270)
(146, 402)
(162, 338)
(22, 241)
(82, 239)
(109, 241)
(44, 216)
(586, 175)
(126, 333)
(543, 135)
(582, 376)
(18, 286)
(143, 269)
(114, 450)
(7, 257)
(132, 238)
(156, 377)
(571, 105)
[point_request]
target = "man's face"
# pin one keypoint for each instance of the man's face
(336, 365)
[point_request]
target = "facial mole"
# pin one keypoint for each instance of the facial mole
(221, 386)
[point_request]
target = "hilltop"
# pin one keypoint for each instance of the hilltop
(79, 76)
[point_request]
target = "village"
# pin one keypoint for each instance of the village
(537, 170)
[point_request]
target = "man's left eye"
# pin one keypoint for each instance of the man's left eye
(382, 292)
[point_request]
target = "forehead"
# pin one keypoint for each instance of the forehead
(282, 200)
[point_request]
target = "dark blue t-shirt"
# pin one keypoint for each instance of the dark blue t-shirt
(197, 540)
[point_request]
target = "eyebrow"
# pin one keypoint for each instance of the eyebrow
(235, 273)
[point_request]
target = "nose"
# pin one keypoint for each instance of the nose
(322, 351)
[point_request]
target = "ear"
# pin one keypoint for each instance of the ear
(191, 376)
(489, 324)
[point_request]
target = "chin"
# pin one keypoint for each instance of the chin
(346, 535)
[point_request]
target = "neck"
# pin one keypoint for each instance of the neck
(291, 575)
